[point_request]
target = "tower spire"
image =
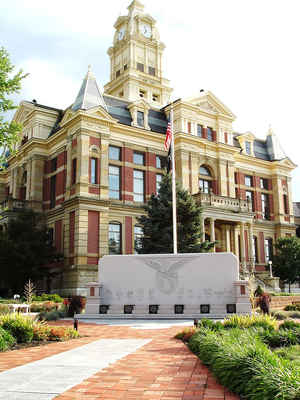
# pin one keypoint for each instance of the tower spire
(89, 95)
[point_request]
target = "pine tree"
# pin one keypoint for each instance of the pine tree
(158, 223)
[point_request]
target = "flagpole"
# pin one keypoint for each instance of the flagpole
(173, 184)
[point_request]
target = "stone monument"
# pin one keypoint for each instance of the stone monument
(168, 286)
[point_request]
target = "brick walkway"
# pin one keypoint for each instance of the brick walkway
(164, 369)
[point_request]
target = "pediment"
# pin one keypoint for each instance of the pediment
(141, 103)
(209, 102)
(286, 162)
(100, 112)
(22, 112)
(68, 115)
(246, 136)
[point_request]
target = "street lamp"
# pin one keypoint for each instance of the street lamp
(271, 272)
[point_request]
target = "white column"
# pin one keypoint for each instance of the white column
(243, 252)
(203, 229)
(252, 260)
(212, 231)
(227, 238)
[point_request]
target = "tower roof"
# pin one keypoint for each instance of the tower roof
(275, 150)
(89, 95)
(136, 5)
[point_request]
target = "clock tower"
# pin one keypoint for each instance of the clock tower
(136, 59)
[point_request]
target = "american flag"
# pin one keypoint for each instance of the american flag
(168, 137)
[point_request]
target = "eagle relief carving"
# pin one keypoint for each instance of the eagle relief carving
(167, 271)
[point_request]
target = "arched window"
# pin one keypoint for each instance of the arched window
(115, 238)
(205, 179)
(138, 234)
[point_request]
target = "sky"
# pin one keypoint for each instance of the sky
(245, 52)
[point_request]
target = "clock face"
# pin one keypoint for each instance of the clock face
(146, 30)
(121, 33)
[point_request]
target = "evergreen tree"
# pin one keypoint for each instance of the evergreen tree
(158, 223)
(26, 250)
(286, 262)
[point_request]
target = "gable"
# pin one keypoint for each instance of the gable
(209, 102)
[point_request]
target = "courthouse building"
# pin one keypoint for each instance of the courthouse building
(91, 167)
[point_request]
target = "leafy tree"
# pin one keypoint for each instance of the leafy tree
(9, 131)
(286, 262)
(26, 250)
(158, 224)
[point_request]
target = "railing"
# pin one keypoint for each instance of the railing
(223, 202)
(14, 204)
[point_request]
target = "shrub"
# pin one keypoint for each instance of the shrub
(245, 365)
(48, 297)
(53, 315)
(294, 314)
(292, 307)
(209, 323)
(289, 324)
(19, 326)
(279, 315)
(41, 331)
(76, 305)
(186, 334)
(247, 321)
(259, 291)
(281, 338)
(4, 309)
(58, 333)
(6, 340)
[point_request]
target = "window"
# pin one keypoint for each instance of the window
(114, 153)
(161, 162)
(158, 182)
(140, 67)
(250, 197)
(204, 183)
(121, 94)
(138, 186)
(52, 191)
(155, 97)
(118, 73)
(268, 249)
(94, 172)
(140, 119)
(53, 164)
(209, 134)
(74, 170)
(152, 71)
(248, 147)
(285, 204)
(50, 235)
(204, 186)
(265, 206)
(114, 238)
(138, 234)
(254, 245)
(263, 183)
(138, 158)
(204, 171)
(114, 182)
(142, 93)
(125, 67)
(199, 130)
(248, 180)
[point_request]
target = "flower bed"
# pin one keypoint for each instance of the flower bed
(250, 356)
(18, 329)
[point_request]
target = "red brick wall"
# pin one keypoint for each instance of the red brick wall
(60, 183)
(74, 142)
(94, 141)
(127, 154)
(61, 159)
(58, 235)
(93, 232)
(127, 182)
(128, 235)
(214, 136)
(150, 182)
(204, 133)
(150, 160)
